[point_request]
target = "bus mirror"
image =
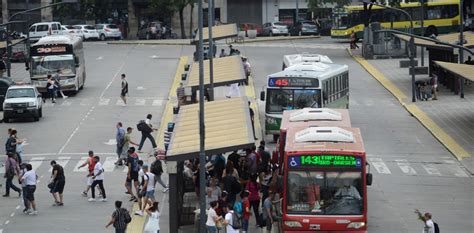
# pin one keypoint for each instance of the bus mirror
(76, 60)
(369, 179)
(262, 95)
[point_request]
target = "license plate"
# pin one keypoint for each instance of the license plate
(19, 111)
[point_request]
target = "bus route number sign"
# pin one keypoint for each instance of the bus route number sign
(293, 82)
(349, 161)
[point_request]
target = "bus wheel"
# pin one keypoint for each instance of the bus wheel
(431, 30)
(275, 137)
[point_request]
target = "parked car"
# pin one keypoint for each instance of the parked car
(469, 22)
(88, 32)
(251, 26)
(151, 30)
(107, 31)
(22, 101)
(71, 30)
(275, 28)
(304, 28)
(5, 83)
(38, 30)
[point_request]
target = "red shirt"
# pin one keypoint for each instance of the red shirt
(91, 163)
(245, 205)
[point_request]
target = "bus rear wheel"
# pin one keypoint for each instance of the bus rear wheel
(431, 30)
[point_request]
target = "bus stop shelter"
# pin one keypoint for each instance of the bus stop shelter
(227, 70)
(454, 73)
(218, 32)
(228, 127)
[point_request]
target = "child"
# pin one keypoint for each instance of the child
(246, 210)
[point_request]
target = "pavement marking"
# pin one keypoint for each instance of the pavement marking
(431, 169)
(120, 103)
(405, 167)
(81, 161)
(449, 161)
(18, 207)
(103, 102)
(444, 138)
(12, 214)
(157, 103)
(111, 142)
(140, 88)
(62, 160)
(109, 164)
(84, 102)
(380, 166)
(36, 162)
(99, 58)
(66, 103)
(140, 102)
(6, 222)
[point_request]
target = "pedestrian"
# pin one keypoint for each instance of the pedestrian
(229, 220)
(252, 116)
(3, 66)
(222, 54)
(246, 211)
(90, 163)
(153, 223)
(148, 189)
(19, 149)
(13, 144)
(30, 178)
(231, 185)
(157, 169)
(120, 140)
(23, 186)
(429, 225)
(234, 91)
(254, 188)
(230, 167)
(58, 84)
(213, 191)
(247, 69)
(126, 145)
(124, 91)
(180, 94)
(51, 86)
(98, 179)
(141, 190)
(132, 174)
(57, 183)
(354, 40)
(11, 169)
(147, 134)
(434, 86)
(120, 218)
(212, 217)
(264, 160)
(252, 161)
(235, 158)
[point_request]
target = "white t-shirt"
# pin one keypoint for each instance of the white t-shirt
(228, 218)
(97, 168)
(141, 174)
(147, 121)
(151, 181)
(30, 177)
(429, 227)
(211, 214)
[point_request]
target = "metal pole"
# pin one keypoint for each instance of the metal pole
(423, 32)
(210, 23)
(202, 153)
(461, 43)
(9, 52)
(297, 11)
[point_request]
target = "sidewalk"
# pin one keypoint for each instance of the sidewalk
(449, 118)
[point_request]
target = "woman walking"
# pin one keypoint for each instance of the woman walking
(153, 224)
(212, 217)
(254, 187)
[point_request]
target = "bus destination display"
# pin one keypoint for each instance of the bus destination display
(293, 82)
(349, 161)
(45, 50)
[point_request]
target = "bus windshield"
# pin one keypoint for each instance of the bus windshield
(42, 65)
(288, 99)
(324, 193)
(341, 21)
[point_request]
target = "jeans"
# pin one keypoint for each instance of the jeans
(9, 184)
(160, 181)
(144, 137)
(245, 225)
(211, 229)
(52, 94)
(254, 205)
(101, 186)
(25, 199)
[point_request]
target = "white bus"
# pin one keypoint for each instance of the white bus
(312, 84)
(62, 54)
(292, 59)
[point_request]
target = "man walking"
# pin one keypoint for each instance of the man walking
(30, 179)
(11, 169)
(148, 188)
(429, 225)
(124, 92)
(90, 163)
(252, 116)
(120, 139)
(132, 174)
(146, 133)
(98, 179)
(23, 187)
(120, 218)
(57, 183)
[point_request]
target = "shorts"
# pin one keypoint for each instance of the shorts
(89, 181)
(133, 176)
(211, 229)
(123, 93)
(58, 187)
(150, 194)
(140, 194)
(30, 192)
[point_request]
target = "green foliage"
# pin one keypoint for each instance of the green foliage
(314, 5)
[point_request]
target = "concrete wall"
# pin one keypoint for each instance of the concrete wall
(46, 13)
(5, 10)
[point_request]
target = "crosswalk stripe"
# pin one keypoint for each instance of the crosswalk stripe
(140, 102)
(380, 166)
(109, 165)
(431, 169)
(66, 103)
(81, 161)
(405, 167)
(36, 162)
(459, 172)
(63, 160)
(119, 102)
(103, 102)
(157, 103)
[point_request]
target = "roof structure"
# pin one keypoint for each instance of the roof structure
(218, 32)
(463, 70)
(227, 70)
(315, 117)
(227, 127)
(452, 38)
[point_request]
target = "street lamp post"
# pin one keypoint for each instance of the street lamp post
(210, 23)
(422, 58)
(461, 43)
(412, 46)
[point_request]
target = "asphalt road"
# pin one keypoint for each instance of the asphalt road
(411, 169)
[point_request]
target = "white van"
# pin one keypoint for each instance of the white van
(43, 29)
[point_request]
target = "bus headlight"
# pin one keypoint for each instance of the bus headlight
(356, 225)
(293, 224)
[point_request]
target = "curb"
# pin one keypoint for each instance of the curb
(447, 141)
(279, 38)
(250, 93)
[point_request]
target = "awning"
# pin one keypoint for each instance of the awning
(218, 32)
(227, 127)
(227, 70)
(452, 38)
(463, 70)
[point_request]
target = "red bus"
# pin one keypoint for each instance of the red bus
(324, 180)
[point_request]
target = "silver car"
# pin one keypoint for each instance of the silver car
(107, 31)
(275, 28)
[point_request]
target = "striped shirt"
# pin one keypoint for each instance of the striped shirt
(119, 216)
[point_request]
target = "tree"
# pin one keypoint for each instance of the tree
(314, 5)
(166, 9)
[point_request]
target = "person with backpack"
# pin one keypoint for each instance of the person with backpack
(146, 128)
(429, 225)
(11, 169)
(120, 139)
(232, 221)
(132, 174)
(120, 218)
(157, 169)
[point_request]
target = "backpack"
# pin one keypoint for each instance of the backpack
(143, 127)
(8, 145)
(236, 221)
(156, 168)
(436, 227)
(126, 216)
(238, 208)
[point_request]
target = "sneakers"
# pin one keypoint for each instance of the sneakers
(84, 194)
(133, 198)
(33, 212)
(103, 199)
(65, 96)
(166, 189)
(139, 213)
(91, 199)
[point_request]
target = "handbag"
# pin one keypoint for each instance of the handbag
(51, 185)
